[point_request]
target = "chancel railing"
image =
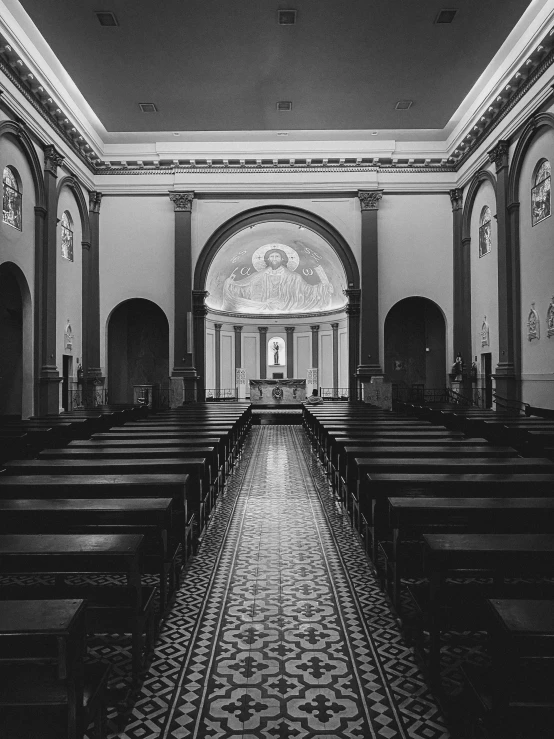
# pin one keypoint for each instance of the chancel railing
(225, 393)
(335, 393)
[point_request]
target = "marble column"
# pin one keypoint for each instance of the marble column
(92, 367)
(335, 328)
(315, 348)
(217, 327)
(199, 312)
(506, 376)
(183, 356)
(238, 346)
(369, 339)
(263, 352)
(461, 333)
(290, 351)
(49, 377)
(353, 313)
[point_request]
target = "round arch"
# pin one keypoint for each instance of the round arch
(287, 213)
(541, 120)
(482, 176)
(72, 184)
(19, 133)
(16, 341)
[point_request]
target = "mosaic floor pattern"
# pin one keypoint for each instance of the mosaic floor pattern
(280, 629)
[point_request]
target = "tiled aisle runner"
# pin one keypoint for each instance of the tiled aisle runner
(293, 637)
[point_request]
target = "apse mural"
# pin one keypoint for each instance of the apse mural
(274, 268)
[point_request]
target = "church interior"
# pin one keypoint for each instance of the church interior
(276, 369)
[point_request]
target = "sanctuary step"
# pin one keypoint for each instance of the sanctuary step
(277, 416)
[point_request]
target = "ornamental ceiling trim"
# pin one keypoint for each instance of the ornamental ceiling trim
(502, 102)
(276, 316)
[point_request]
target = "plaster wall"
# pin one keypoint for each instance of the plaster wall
(415, 254)
(537, 280)
(302, 355)
(484, 280)
(137, 236)
(227, 360)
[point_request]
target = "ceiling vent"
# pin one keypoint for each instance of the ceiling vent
(286, 17)
(106, 18)
(404, 104)
(148, 107)
(445, 16)
(284, 105)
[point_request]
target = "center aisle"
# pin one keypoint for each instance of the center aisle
(280, 628)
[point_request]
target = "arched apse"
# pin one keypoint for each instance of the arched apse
(415, 344)
(138, 348)
(298, 217)
(16, 354)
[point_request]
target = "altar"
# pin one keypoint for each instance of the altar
(277, 392)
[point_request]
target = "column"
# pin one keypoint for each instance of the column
(217, 327)
(49, 377)
(240, 374)
(335, 327)
(315, 347)
(263, 352)
(353, 313)
(461, 333)
(199, 312)
(290, 350)
(40, 231)
(92, 369)
(507, 384)
(369, 340)
(183, 341)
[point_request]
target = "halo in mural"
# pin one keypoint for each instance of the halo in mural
(275, 268)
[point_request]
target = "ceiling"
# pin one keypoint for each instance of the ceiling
(216, 65)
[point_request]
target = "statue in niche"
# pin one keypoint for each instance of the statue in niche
(275, 352)
(275, 287)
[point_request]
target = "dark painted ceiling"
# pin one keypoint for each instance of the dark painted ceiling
(222, 65)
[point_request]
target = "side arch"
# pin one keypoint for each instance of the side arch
(287, 213)
(19, 133)
(482, 176)
(72, 184)
(541, 120)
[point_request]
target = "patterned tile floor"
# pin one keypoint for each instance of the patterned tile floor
(280, 629)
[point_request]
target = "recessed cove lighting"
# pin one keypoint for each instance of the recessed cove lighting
(106, 18)
(284, 105)
(445, 16)
(286, 17)
(404, 104)
(148, 107)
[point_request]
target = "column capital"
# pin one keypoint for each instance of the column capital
(335, 326)
(314, 328)
(52, 159)
(457, 198)
(94, 200)
(499, 154)
(354, 296)
(182, 201)
(237, 329)
(218, 326)
(369, 199)
(199, 308)
(289, 329)
(262, 329)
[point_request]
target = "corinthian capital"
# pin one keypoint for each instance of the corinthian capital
(182, 201)
(499, 155)
(369, 199)
(94, 200)
(52, 159)
(456, 198)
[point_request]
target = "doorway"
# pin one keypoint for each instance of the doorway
(16, 345)
(486, 371)
(67, 372)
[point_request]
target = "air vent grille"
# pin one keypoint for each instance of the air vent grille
(284, 105)
(106, 18)
(148, 107)
(445, 16)
(403, 104)
(286, 17)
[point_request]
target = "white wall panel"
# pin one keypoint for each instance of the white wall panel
(227, 361)
(302, 355)
(325, 359)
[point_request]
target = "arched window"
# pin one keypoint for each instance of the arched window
(67, 236)
(540, 192)
(11, 198)
(485, 231)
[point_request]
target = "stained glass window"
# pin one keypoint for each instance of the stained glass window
(540, 194)
(11, 199)
(485, 231)
(67, 236)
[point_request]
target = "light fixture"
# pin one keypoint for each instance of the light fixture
(106, 18)
(284, 105)
(403, 104)
(446, 15)
(286, 17)
(148, 107)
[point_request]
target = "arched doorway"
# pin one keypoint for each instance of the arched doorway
(415, 345)
(138, 349)
(16, 361)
